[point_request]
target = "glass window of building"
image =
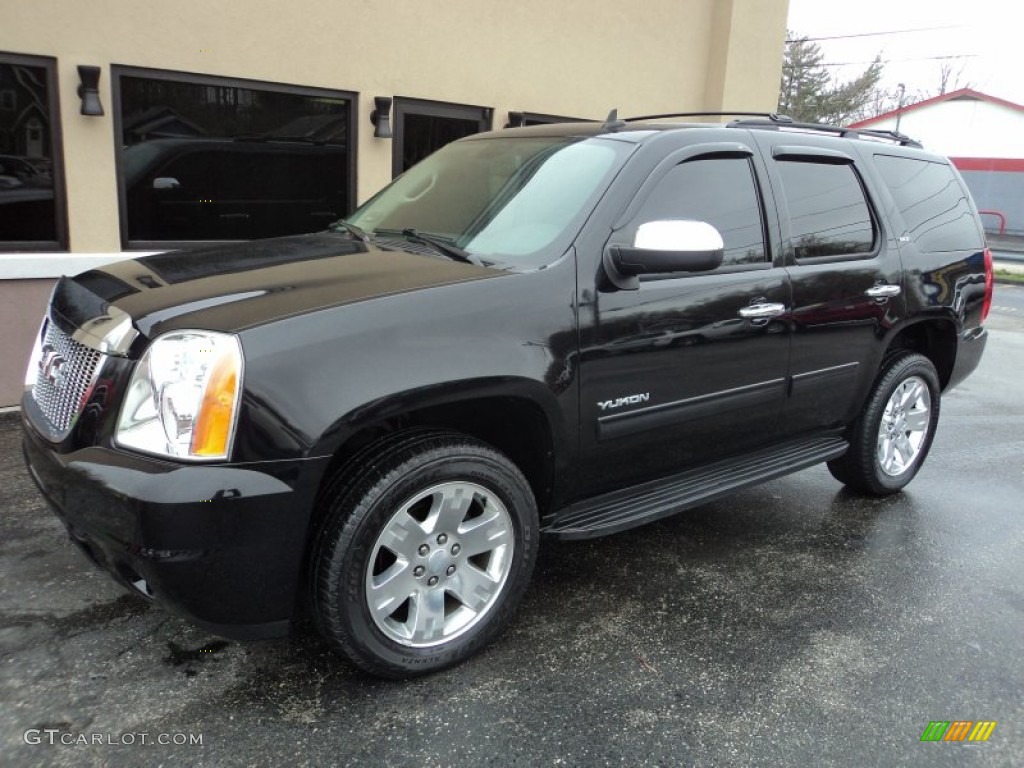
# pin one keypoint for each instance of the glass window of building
(206, 159)
(31, 181)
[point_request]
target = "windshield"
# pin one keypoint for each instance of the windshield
(516, 202)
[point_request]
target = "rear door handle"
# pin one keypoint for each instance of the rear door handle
(883, 291)
(755, 311)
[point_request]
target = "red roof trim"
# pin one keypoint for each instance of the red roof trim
(967, 93)
(989, 164)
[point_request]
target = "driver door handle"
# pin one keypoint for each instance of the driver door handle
(755, 311)
(883, 291)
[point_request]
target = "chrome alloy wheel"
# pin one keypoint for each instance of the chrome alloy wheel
(439, 564)
(904, 426)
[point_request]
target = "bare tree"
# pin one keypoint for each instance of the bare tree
(951, 72)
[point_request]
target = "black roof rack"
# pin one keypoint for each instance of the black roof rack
(775, 121)
(768, 115)
(834, 130)
(902, 138)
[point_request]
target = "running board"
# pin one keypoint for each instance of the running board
(627, 508)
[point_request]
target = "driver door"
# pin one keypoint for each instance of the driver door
(689, 367)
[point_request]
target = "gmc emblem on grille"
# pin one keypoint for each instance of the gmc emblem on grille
(51, 366)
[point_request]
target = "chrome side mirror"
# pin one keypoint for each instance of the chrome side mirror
(664, 247)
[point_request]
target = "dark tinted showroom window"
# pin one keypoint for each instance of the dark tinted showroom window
(422, 127)
(933, 203)
(31, 202)
(828, 214)
(214, 159)
(719, 191)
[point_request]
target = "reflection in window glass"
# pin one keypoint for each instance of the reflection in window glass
(719, 191)
(424, 134)
(28, 209)
(514, 201)
(828, 213)
(933, 203)
(214, 160)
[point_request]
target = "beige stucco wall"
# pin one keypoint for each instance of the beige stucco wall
(23, 302)
(569, 57)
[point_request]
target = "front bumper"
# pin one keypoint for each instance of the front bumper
(221, 546)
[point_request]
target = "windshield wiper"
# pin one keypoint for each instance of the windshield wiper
(438, 243)
(352, 229)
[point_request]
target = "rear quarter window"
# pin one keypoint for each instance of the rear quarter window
(934, 204)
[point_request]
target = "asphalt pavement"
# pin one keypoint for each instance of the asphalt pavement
(792, 624)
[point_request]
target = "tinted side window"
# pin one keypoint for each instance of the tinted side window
(828, 213)
(934, 204)
(719, 191)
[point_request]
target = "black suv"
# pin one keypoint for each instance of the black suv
(560, 331)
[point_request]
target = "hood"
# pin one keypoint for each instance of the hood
(232, 287)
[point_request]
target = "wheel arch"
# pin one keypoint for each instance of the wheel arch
(519, 417)
(935, 338)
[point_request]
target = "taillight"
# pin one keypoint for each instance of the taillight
(989, 280)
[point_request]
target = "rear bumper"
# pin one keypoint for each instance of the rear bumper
(969, 348)
(221, 546)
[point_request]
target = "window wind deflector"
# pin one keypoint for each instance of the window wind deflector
(811, 155)
(437, 242)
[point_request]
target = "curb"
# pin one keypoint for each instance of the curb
(10, 415)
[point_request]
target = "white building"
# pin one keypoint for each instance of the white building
(983, 136)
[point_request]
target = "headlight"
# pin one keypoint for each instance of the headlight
(182, 400)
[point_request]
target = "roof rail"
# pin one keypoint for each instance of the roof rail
(775, 121)
(775, 118)
(902, 138)
(834, 130)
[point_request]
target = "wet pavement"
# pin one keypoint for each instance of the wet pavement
(792, 624)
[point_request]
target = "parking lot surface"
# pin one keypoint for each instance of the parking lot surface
(791, 624)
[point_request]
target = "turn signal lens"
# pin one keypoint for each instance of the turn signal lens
(212, 432)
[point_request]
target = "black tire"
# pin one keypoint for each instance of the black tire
(861, 467)
(351, 553)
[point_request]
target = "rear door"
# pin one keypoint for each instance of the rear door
(846, 276)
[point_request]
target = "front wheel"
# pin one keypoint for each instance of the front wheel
(890, 440)
(422, 561)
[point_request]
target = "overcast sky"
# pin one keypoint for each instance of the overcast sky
(988, 35)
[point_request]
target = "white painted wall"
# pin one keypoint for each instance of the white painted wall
(963, 128)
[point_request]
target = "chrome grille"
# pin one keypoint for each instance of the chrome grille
(67, 370)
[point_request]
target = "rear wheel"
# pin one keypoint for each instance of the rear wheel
(890, 440)
(422, 561)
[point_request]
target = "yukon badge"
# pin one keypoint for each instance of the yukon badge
(608, 405)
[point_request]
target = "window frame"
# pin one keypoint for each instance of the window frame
(117, 71)
(60, 244)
